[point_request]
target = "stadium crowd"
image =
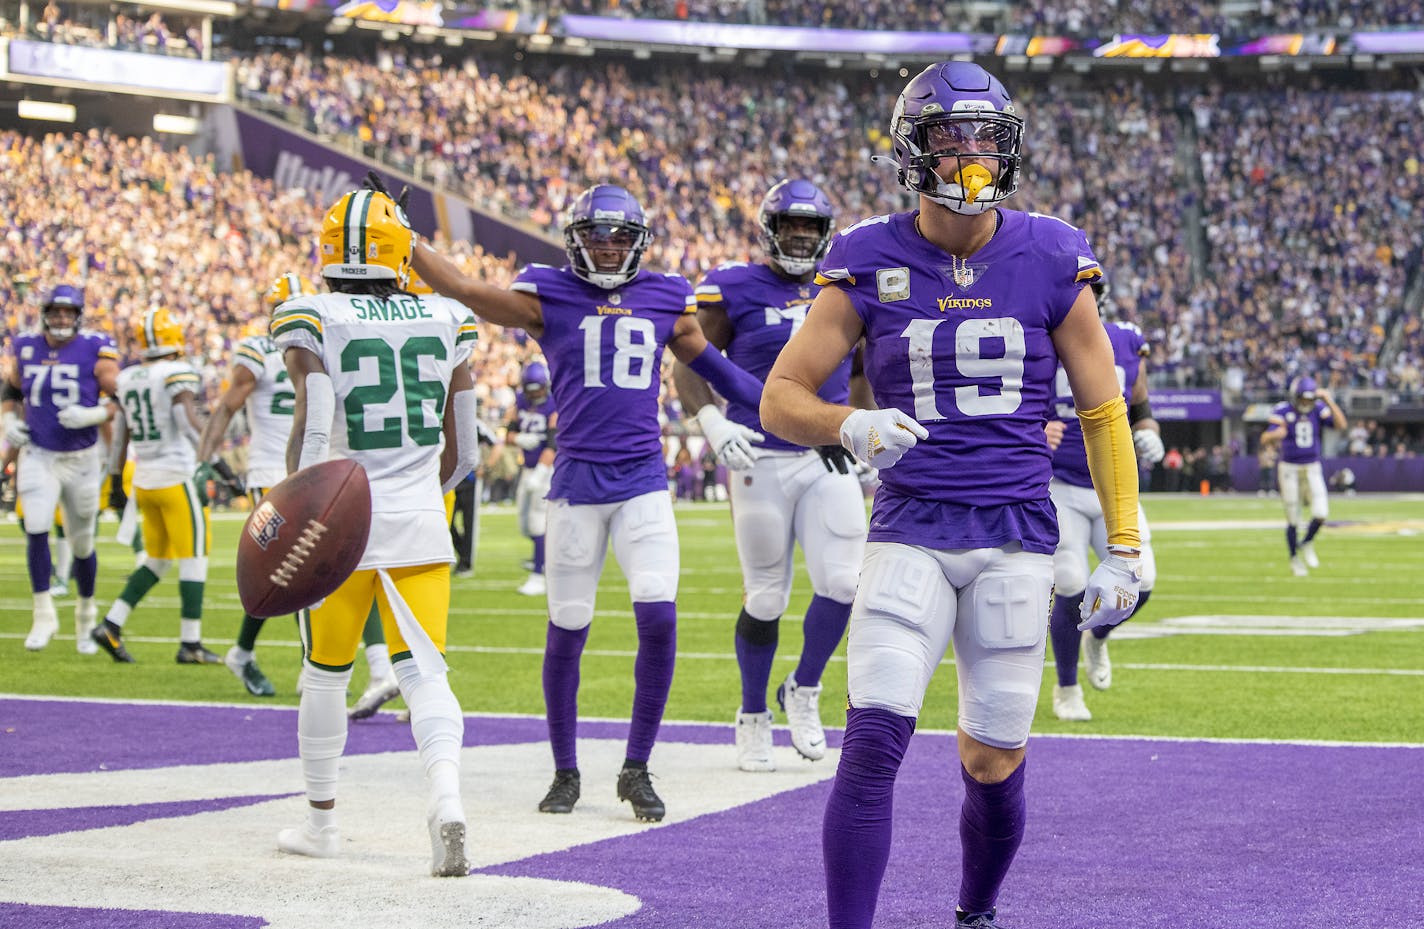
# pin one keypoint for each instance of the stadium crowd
(122, 26)
(522, 139)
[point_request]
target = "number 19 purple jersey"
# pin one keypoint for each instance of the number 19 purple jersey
(605, 349)
(966, 350)
(764, 310)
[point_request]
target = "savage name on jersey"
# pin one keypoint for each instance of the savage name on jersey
(1070, 461)
(966, 348)
(764, 309)
(605, 349)
(389, 360)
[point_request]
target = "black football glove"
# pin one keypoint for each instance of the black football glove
(232, 481)
(117, 498)
(835, 458)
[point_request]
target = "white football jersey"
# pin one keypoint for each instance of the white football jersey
(269, 410)
(163, 457)
(390, 362)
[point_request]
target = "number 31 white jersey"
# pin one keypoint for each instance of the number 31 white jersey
(163, 456)
(390, 361)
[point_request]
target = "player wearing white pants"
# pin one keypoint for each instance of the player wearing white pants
(1297, 425)
(532, 505)
(1309, 479)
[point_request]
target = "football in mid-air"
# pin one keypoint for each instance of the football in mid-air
(304, 539)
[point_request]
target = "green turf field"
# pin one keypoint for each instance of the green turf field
(1232, 645)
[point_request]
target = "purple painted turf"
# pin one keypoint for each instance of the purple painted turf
(23, 916)
(20, 824)
(1122, 834)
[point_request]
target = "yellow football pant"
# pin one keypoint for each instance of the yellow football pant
(332, 632)
(175, 522)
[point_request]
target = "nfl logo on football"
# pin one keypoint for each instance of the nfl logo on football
(265, 524)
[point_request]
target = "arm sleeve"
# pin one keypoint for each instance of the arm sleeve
(467, 438)
(321, 408)
(1112, 462)
(729, 380)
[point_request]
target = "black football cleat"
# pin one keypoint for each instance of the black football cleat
(563, 793)
(194, 653)
(106, 636)
(963, 920)
(636, 786)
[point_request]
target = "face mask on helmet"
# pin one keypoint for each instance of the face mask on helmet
(956, 138)
(605, 236)
(795, 219)
(59, 316)
(1303, 394)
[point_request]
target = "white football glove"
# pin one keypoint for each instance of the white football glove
(82, 417)
(1111, 594)
(1150, 449)
(538, 478)
(731, 441)
(880, 437)
(17, 431)
(528, 440)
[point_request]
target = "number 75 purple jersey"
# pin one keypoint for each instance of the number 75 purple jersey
(966, 350)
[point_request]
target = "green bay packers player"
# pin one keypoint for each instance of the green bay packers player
(259, 386)
(380, 376)
(158, 403)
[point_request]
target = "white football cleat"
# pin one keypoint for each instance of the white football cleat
(802, 705)
(447, 840)
(754, 741)
(86, 615)
(1068, 704)
(1095, 657)
(533, 586)
(45, 625)
(380, 692)
(1298, 566)
(311, 842)
(1307, 555)
(58, 588)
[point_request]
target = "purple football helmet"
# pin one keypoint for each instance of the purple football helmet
(535, 380)
(950, 119)
(65, 297)
(606, 220)
(1303, 392)
(795, 251)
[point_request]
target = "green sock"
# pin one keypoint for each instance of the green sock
(140, 583)
(247, 635)
(191, 595)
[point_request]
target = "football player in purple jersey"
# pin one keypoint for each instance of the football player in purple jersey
(966, 309)
(603, 323)
(52, 411)
(531, 428)
(1296, 425)
(783, 492)
(1081, 527)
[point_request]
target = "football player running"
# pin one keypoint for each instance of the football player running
(52, 409)
(1081, 527)
(531, 428)
(259, 385)
(380, 376)
(965, 308)
(1296, 426)
(784, 492)
(603, 323)
(159, 416)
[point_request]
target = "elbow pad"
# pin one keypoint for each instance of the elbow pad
(467, 438)
(1112, 461)
(321, 409)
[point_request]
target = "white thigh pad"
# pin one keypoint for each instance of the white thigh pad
(900, 627)
(577, 542)
(1315, 481)
(830, 522)
(644, 534)
(38, 490)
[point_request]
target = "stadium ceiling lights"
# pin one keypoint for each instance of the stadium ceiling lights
(52, 112)
(176, 125)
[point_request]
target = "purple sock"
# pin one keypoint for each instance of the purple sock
(1312, 529)
(855, 836)
(86, 569)
(652, 674)
(1063, 627)
(538, 554)
(755, 643)
(991, 826)
(39, 561)
(822, 629)
(1291, 539)
(562, 651)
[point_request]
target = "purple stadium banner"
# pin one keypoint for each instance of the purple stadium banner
(292, 159)
(727, 35)
(1384, 43)
(186, 76)
(1383, 475)
(1172, 45)
(1185, 405)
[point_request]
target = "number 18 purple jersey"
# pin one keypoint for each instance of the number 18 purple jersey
(966, 350)
(605, 350)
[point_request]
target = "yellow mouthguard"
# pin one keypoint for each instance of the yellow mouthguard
(973, 179)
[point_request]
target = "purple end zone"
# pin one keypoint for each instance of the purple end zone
(20, 824)
(22, 916)
(1122, 834)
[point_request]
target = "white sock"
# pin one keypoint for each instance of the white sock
(378, 659)
(320, 819)
(321, 730)
(44, 603)
(437, 725)
(190, 630)
(118, 613)
(63, 560)
(240, 655)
